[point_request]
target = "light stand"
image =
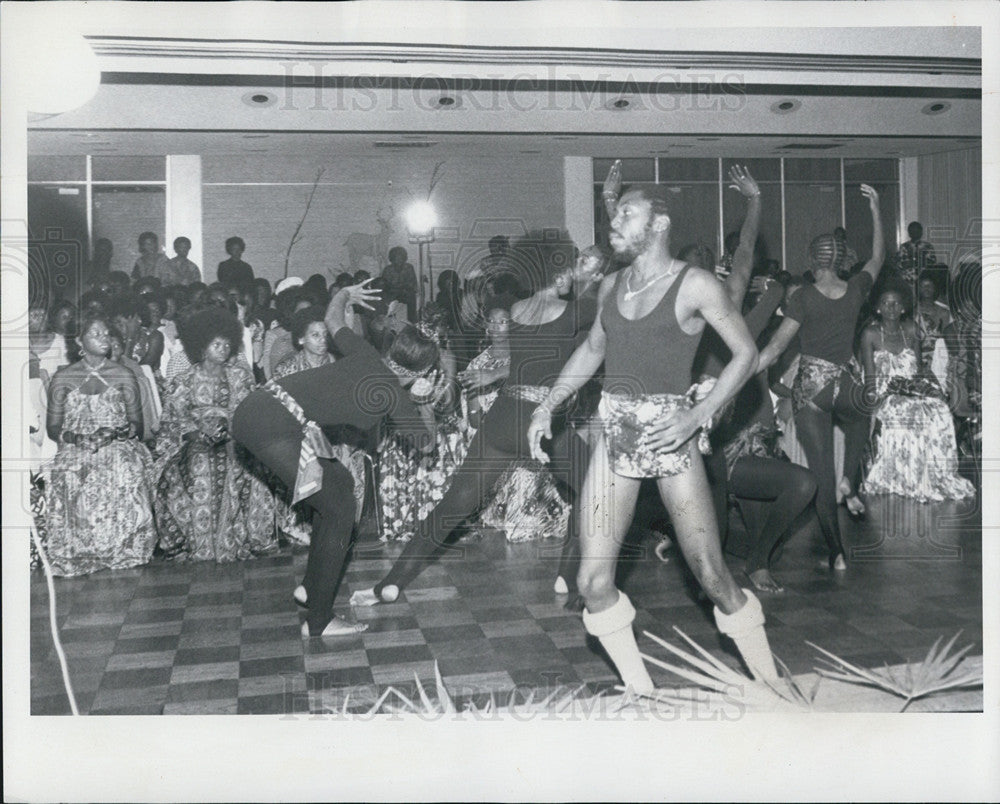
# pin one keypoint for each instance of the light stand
(420, 222)
(422, 242)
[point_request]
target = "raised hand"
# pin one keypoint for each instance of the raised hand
(613, 182)
(871, 194)
(361, 294)
(743, 182)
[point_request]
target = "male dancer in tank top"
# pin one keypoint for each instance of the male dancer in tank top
(650, 321)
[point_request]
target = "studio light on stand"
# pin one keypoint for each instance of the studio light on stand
(420, 222)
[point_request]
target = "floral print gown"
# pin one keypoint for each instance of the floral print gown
(210, 501)
(99, 504)
(525, 503)
(913, 439)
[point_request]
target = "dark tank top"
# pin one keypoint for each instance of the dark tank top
(538, 352)
(652, 354)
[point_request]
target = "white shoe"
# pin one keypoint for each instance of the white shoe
(561, 587)
(301, 596)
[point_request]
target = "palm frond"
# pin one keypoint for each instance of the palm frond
(936, 673)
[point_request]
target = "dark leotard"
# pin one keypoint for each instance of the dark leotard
(651, 354)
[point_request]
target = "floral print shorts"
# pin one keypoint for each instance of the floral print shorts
(627, 417)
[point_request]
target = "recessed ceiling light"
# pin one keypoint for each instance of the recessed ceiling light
(447, 102)
(255, 136)
(786, 106)
(938, 107)
(619, 104)
(260, 98)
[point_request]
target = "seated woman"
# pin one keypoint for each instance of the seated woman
(98, 498)
(143, 345)
(913, 440)
(148, 393)
(210, 502)
(278, 339)
(964, 370)
(932, 318)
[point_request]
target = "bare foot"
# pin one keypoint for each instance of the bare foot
(763, 581)
(854, 505)
(336, 627)
(561, 588)
(838, 564)
(852, 501)
(367, 597)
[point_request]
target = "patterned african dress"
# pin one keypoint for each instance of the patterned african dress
(294, 521)
(913, 440)
(411, 485)
(526, 504)
(210, 500)
(99, 512)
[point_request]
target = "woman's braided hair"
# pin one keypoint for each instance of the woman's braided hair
(826, 253)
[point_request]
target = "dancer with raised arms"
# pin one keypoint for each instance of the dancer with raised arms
(650, 321)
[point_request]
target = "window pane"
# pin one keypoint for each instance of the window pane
(871, 170)
(694, 216)
(763, 170)
(689, 170)
(121, 214)
(734, 208)
(57, 168)
(812, 170)
(129, 168)
(632, 170)
(810, 210)
(858, 218)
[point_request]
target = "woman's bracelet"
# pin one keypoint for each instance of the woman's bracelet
(544, 409)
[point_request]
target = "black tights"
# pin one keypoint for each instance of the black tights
(332, 524)
(814, 426)
(501, 439)
(786, 491)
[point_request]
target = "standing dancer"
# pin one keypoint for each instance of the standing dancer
(828, 384)
(282, 424)
(650, 323)
(543, 333)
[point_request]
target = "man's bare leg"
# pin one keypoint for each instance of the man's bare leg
(738, 613)
(607, 504)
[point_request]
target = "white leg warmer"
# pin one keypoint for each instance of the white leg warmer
(746, 628)
(613, 627)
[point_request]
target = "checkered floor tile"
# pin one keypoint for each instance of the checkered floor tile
(224, 639)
